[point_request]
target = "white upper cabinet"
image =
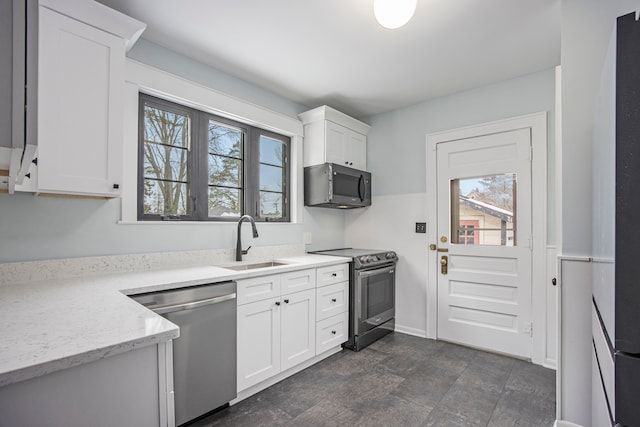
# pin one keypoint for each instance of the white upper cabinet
(333, 137)
(81, 57)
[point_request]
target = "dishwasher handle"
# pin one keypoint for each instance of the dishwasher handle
(194, 304)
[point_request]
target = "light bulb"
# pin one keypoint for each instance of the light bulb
(394, 14)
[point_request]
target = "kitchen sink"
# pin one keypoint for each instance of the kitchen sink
(254, 266)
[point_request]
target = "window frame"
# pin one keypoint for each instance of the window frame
(198, 165)
(174, 108)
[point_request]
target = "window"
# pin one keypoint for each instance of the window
(483, 210)
(469, 233)
(195, 166)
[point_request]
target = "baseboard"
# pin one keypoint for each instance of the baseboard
(560, 423)
(550, 363)
(410, 331)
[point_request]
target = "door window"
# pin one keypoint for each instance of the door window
(483, 210)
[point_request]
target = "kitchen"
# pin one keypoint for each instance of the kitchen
(48, 228)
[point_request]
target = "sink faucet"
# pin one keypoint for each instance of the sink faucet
(239, 251)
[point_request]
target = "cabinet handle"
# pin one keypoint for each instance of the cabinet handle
(334, 274)
(277, 302)
(346, 163)
(286, 301)
(350, 163)
(116, 186)
(333, 332)
(333, 300)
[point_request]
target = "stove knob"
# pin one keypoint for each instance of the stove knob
(363, 259)
(375, 258)
(390, 255)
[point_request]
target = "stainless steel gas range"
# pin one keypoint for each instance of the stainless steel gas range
(372, 294)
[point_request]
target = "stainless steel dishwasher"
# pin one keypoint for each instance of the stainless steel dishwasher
(204, 356)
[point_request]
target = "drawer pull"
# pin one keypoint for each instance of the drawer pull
(333, 332)
(334, 274)
(277, 302)
(286, 301)
(333, 300)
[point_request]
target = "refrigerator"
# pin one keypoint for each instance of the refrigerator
(616, 233)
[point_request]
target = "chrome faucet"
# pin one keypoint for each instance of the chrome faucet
(239, 251)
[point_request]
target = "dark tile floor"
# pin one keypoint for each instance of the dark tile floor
(403, 380)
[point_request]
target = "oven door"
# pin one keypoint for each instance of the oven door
(375, 294)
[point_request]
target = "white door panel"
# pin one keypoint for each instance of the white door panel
(484, 227)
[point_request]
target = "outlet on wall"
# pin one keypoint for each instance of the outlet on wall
(421, 227)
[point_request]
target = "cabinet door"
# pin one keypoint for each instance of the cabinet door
(298, 326)
(258, 342)
(80, 85)
(335, 139)
(355, 150)
(345, 146)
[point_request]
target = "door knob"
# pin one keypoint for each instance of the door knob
(444, 264)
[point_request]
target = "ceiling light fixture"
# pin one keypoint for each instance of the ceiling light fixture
(394, 14)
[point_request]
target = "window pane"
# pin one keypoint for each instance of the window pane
(483, 210)
(225, 140)
(271, 205)
(271, 178)
(164, 162)
(165, 198)
(225, 171)
(224, 202)
(271, 151)
(165, 127)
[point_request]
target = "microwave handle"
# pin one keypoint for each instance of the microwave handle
(361, 191)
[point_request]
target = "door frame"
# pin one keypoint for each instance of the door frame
(537, 123)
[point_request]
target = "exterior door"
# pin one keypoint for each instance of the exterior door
(485, 247)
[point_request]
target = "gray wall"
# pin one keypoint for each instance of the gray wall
(396, 155)
(33, 228)
(396, 146)
(586, 30)
(164, 59)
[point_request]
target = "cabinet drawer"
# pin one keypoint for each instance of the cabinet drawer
(331, 332)
(332, 300)
(332, 274)
(296, 281)
(258, 288)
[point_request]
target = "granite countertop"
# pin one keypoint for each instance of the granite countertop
(49, 325)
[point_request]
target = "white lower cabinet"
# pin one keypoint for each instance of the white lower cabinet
(258, 342)
(277, 333)
(332, 299)
(297, 328)
(285, 320)
(332, 332)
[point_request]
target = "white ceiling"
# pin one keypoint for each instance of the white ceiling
(333, 52)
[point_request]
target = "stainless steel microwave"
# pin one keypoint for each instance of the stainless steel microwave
(330, 185)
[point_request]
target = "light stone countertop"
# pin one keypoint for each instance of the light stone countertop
(49, 325)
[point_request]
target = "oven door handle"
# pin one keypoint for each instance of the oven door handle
(366, 273)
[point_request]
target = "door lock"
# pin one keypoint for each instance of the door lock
(444, 264)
